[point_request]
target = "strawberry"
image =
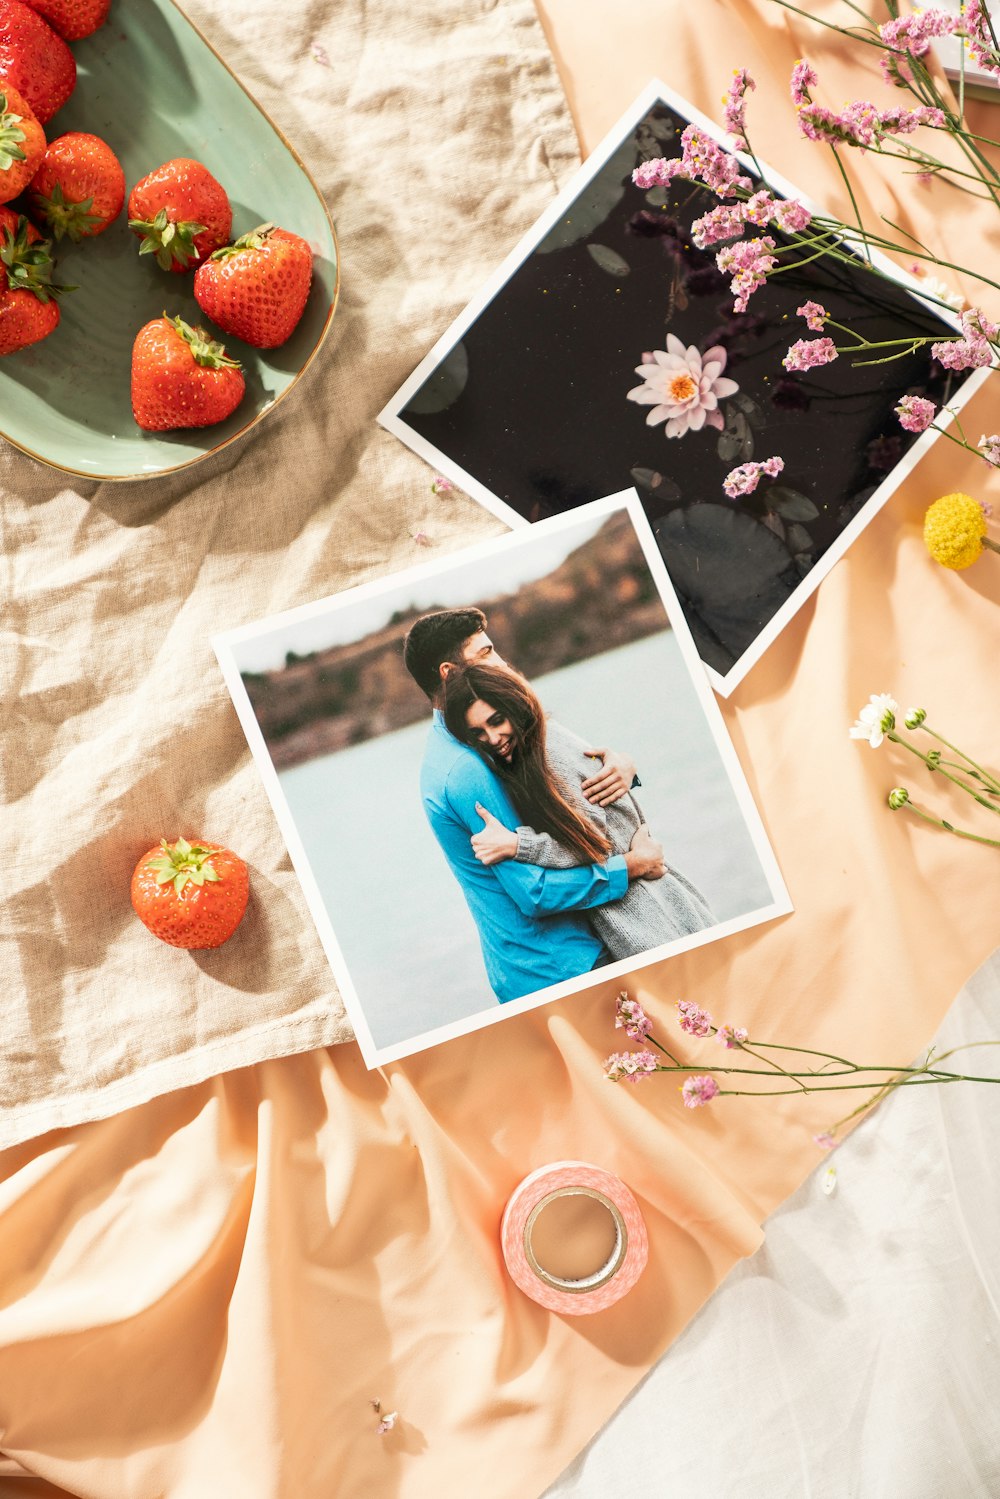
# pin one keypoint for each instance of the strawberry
(257, 288)
(22, 143)
(72, 18)
(34, 59)
(181, 378)
(190, 894)
(28, 309)
(180, 213)
(79, 188)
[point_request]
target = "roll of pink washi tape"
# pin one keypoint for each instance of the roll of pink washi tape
(533, 1268)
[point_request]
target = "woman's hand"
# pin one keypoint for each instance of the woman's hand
(612, 781)
(495, 843)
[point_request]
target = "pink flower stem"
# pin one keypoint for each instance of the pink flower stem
(660, 1047)
(850, 193)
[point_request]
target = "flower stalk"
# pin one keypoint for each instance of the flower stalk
(701, 1086)
(877, 722)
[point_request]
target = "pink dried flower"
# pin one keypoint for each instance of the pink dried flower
(442, 485)
(915, 413)
(633, 1018)
(732, 1036)
(698, 1091)
(630, 1066)
(703, 160)
(693, 1019)
(421, 538)
(386, 1422)
(815, 315)
(963, 353)
(803, 79)
(825, 1140)
(735, 102)
(745, 478)
(977, 29)
(759, 209)
(862, 124)
(683, 387)
(912, 35)
(656, 173)
(791, 215)
(807, 353)
(748, 263)
(724, 222)
(990, 448)
(320, 54)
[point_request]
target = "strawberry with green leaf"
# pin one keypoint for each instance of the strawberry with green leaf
(22, 143)
(181, 377)
(79, 189)
(72, 19)
(28, 308)
(257, 288)
(190, 895)
(34, 59)
(180, 213)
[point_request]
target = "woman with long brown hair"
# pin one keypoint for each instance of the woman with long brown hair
(543, 765)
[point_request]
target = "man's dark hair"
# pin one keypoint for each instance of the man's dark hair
(436, 638)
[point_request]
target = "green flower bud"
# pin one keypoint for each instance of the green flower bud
(933, 759)
(898, 797)
(915, 718)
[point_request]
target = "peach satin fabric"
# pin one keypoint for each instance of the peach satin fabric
(201, 1296)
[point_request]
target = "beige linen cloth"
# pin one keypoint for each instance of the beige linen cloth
(437, 132)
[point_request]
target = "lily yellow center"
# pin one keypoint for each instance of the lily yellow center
(682, 388)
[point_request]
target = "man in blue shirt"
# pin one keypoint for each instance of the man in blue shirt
(530, 927)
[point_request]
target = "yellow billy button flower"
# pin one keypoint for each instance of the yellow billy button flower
(955, 531)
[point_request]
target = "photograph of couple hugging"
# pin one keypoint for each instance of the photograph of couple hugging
(502, 776)
(542, 830)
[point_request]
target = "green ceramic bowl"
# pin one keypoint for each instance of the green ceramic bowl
(152, 87)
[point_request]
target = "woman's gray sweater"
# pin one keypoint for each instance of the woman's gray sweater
(651, 912)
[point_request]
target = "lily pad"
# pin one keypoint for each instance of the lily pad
(790, 504)
(798, 540)
(609, 260)
(735, 439)
(750, 410)
(655, 483)
(595, 203)
(732, 575)
(445, 385)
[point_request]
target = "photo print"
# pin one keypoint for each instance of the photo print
(501, 776)
(536, 399)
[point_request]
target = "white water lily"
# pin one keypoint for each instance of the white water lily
(876, 718)
(683, 386)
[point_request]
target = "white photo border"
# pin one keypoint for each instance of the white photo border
(390, 417)
(626, 500)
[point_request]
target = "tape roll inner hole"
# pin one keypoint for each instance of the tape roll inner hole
(575, 1239)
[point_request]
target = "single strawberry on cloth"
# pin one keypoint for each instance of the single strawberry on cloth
(117, 728)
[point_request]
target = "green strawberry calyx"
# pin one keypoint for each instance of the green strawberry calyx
(255, 240)
(168, 240)
(184, 863)
(209, 354)
(28, 266)
(64, 216)
(11, 136)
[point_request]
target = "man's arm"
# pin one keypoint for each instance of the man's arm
(534, 890)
